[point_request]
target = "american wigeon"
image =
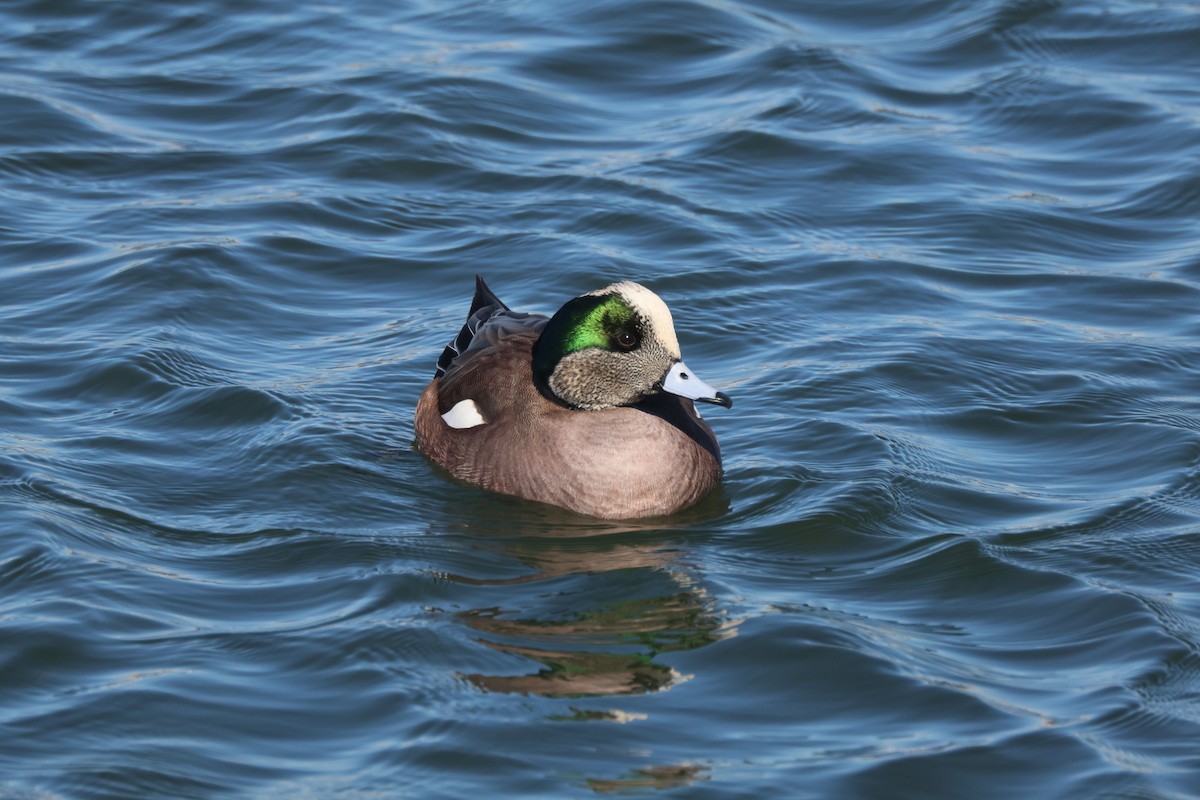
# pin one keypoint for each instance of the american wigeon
(589, 410)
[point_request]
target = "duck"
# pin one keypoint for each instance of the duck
(591, 409)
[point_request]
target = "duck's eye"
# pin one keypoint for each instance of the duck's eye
(627, 340)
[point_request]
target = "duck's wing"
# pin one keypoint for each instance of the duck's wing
(484, 306)
(491, 325)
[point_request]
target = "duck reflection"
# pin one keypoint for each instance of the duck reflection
(622, 599)
(669, 776)
(632, 634)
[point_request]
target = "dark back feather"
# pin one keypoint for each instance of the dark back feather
(483, 307)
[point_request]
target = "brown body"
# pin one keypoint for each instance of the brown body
(615, 463)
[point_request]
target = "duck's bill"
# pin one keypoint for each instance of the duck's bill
(682, 381)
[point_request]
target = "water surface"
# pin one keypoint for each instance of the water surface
(945, 256)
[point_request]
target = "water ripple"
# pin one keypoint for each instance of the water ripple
(943, 257)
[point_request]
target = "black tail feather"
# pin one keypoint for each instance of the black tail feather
(485, 297)
(483, 307)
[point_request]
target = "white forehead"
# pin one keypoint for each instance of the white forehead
(651, 307)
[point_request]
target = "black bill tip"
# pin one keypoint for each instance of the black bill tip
(721, 399)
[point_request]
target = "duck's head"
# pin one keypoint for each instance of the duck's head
(614, 347)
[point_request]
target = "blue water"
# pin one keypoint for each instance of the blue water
(945, 256)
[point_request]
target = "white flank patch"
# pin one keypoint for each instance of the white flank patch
(465, 414)
(651, 307)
